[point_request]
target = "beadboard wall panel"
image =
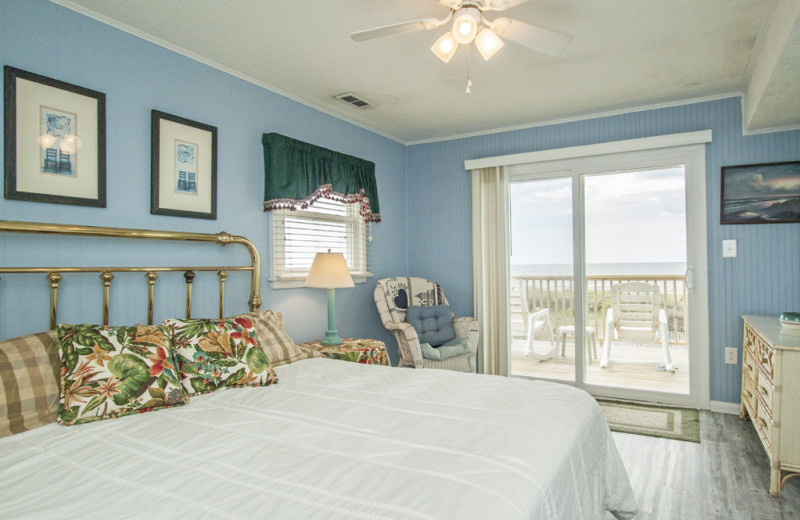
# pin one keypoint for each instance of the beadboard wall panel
(763, 279)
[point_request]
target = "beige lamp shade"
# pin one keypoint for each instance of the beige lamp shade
(329, 271)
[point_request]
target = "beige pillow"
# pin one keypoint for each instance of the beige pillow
(277, 344)
(29, 382)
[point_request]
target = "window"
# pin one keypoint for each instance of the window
(327, 224)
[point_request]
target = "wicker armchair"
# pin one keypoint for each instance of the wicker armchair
(394, 295)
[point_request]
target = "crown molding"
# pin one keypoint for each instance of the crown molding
(582, 117)
(205, 61)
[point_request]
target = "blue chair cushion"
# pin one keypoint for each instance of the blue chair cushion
(454, 347)
(433, 323)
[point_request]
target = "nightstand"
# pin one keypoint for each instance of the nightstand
(357, 350)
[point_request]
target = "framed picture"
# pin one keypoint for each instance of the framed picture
(184, 167)
(761, 193)
(55, 141)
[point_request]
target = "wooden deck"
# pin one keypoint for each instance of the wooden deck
(617, 374)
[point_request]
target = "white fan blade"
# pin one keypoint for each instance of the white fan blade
(484, 5)
(403, 27)
(501, 5)
(536, 38)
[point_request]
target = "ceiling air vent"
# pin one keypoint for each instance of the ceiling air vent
(354, 100)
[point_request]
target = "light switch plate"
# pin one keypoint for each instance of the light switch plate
(729, 249)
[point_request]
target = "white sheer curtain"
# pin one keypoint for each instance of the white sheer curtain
(490, 257)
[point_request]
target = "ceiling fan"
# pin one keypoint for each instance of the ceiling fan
(470, 24)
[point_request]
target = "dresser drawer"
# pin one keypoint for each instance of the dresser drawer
(764, 388)
(749, 366)
(749, 396)
(763, 423)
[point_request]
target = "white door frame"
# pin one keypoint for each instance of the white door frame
(647, 153)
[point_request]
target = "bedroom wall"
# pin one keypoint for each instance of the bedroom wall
(138, 76)
(763, 279)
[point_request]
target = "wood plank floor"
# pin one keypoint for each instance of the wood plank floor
(726, 476)
(623, 375)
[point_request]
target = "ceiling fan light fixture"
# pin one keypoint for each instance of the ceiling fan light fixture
(488, 43)
(465, 26)
(445, 47)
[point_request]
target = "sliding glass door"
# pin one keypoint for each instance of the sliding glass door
(635, 293)
(541, 270)
(602, 266)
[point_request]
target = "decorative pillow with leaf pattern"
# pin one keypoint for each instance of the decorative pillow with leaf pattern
(109, 372)
(216, 354)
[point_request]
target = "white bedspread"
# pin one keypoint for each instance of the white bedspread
(332, 440)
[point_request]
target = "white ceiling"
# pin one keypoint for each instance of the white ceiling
(623, 54)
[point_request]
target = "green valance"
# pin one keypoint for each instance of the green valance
(297, 174)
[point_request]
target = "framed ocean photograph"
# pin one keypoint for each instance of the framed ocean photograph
(184, 167)
(55, 141)
(761, 193)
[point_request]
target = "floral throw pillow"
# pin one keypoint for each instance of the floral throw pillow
(216, 354)
(114, 371)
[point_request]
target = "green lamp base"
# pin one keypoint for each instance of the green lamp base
(331, 335)
(331, 338)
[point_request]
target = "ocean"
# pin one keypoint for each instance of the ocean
(634, 268)
(762, 209)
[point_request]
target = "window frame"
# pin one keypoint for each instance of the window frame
(356, 240)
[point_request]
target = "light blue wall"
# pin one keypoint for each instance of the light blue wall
(432, 221)
(136, 77)
(764, 279)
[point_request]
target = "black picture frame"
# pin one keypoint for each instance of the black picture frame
(47, 123)
(183, 187)
(765, 193)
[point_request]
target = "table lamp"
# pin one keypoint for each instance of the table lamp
(329, 271)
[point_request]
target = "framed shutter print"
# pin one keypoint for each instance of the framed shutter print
(184, 167)
(55, 141)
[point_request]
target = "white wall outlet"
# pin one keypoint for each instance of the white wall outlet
(732, 356)
(729, 249)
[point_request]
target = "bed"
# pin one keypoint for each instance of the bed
(332, 439)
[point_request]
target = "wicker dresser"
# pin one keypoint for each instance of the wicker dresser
(771, 394)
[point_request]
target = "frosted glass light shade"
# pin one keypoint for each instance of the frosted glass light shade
(329, 271)
(445, 47)
(488, 43)
(465, 26)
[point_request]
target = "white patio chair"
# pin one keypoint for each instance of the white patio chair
(540, 320)
(636, 316)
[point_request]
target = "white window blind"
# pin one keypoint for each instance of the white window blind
(298, 235)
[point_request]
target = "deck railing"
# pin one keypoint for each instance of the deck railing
(555, 293)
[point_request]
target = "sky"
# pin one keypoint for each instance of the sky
(630, 217)
(755, 182)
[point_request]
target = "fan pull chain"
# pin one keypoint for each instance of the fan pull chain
(469, 81)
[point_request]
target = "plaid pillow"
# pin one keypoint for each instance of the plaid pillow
(278, 346)
(29, 387)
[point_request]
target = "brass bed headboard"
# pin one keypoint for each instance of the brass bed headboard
(54, 274)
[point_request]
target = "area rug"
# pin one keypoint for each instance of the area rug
(656, 421)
